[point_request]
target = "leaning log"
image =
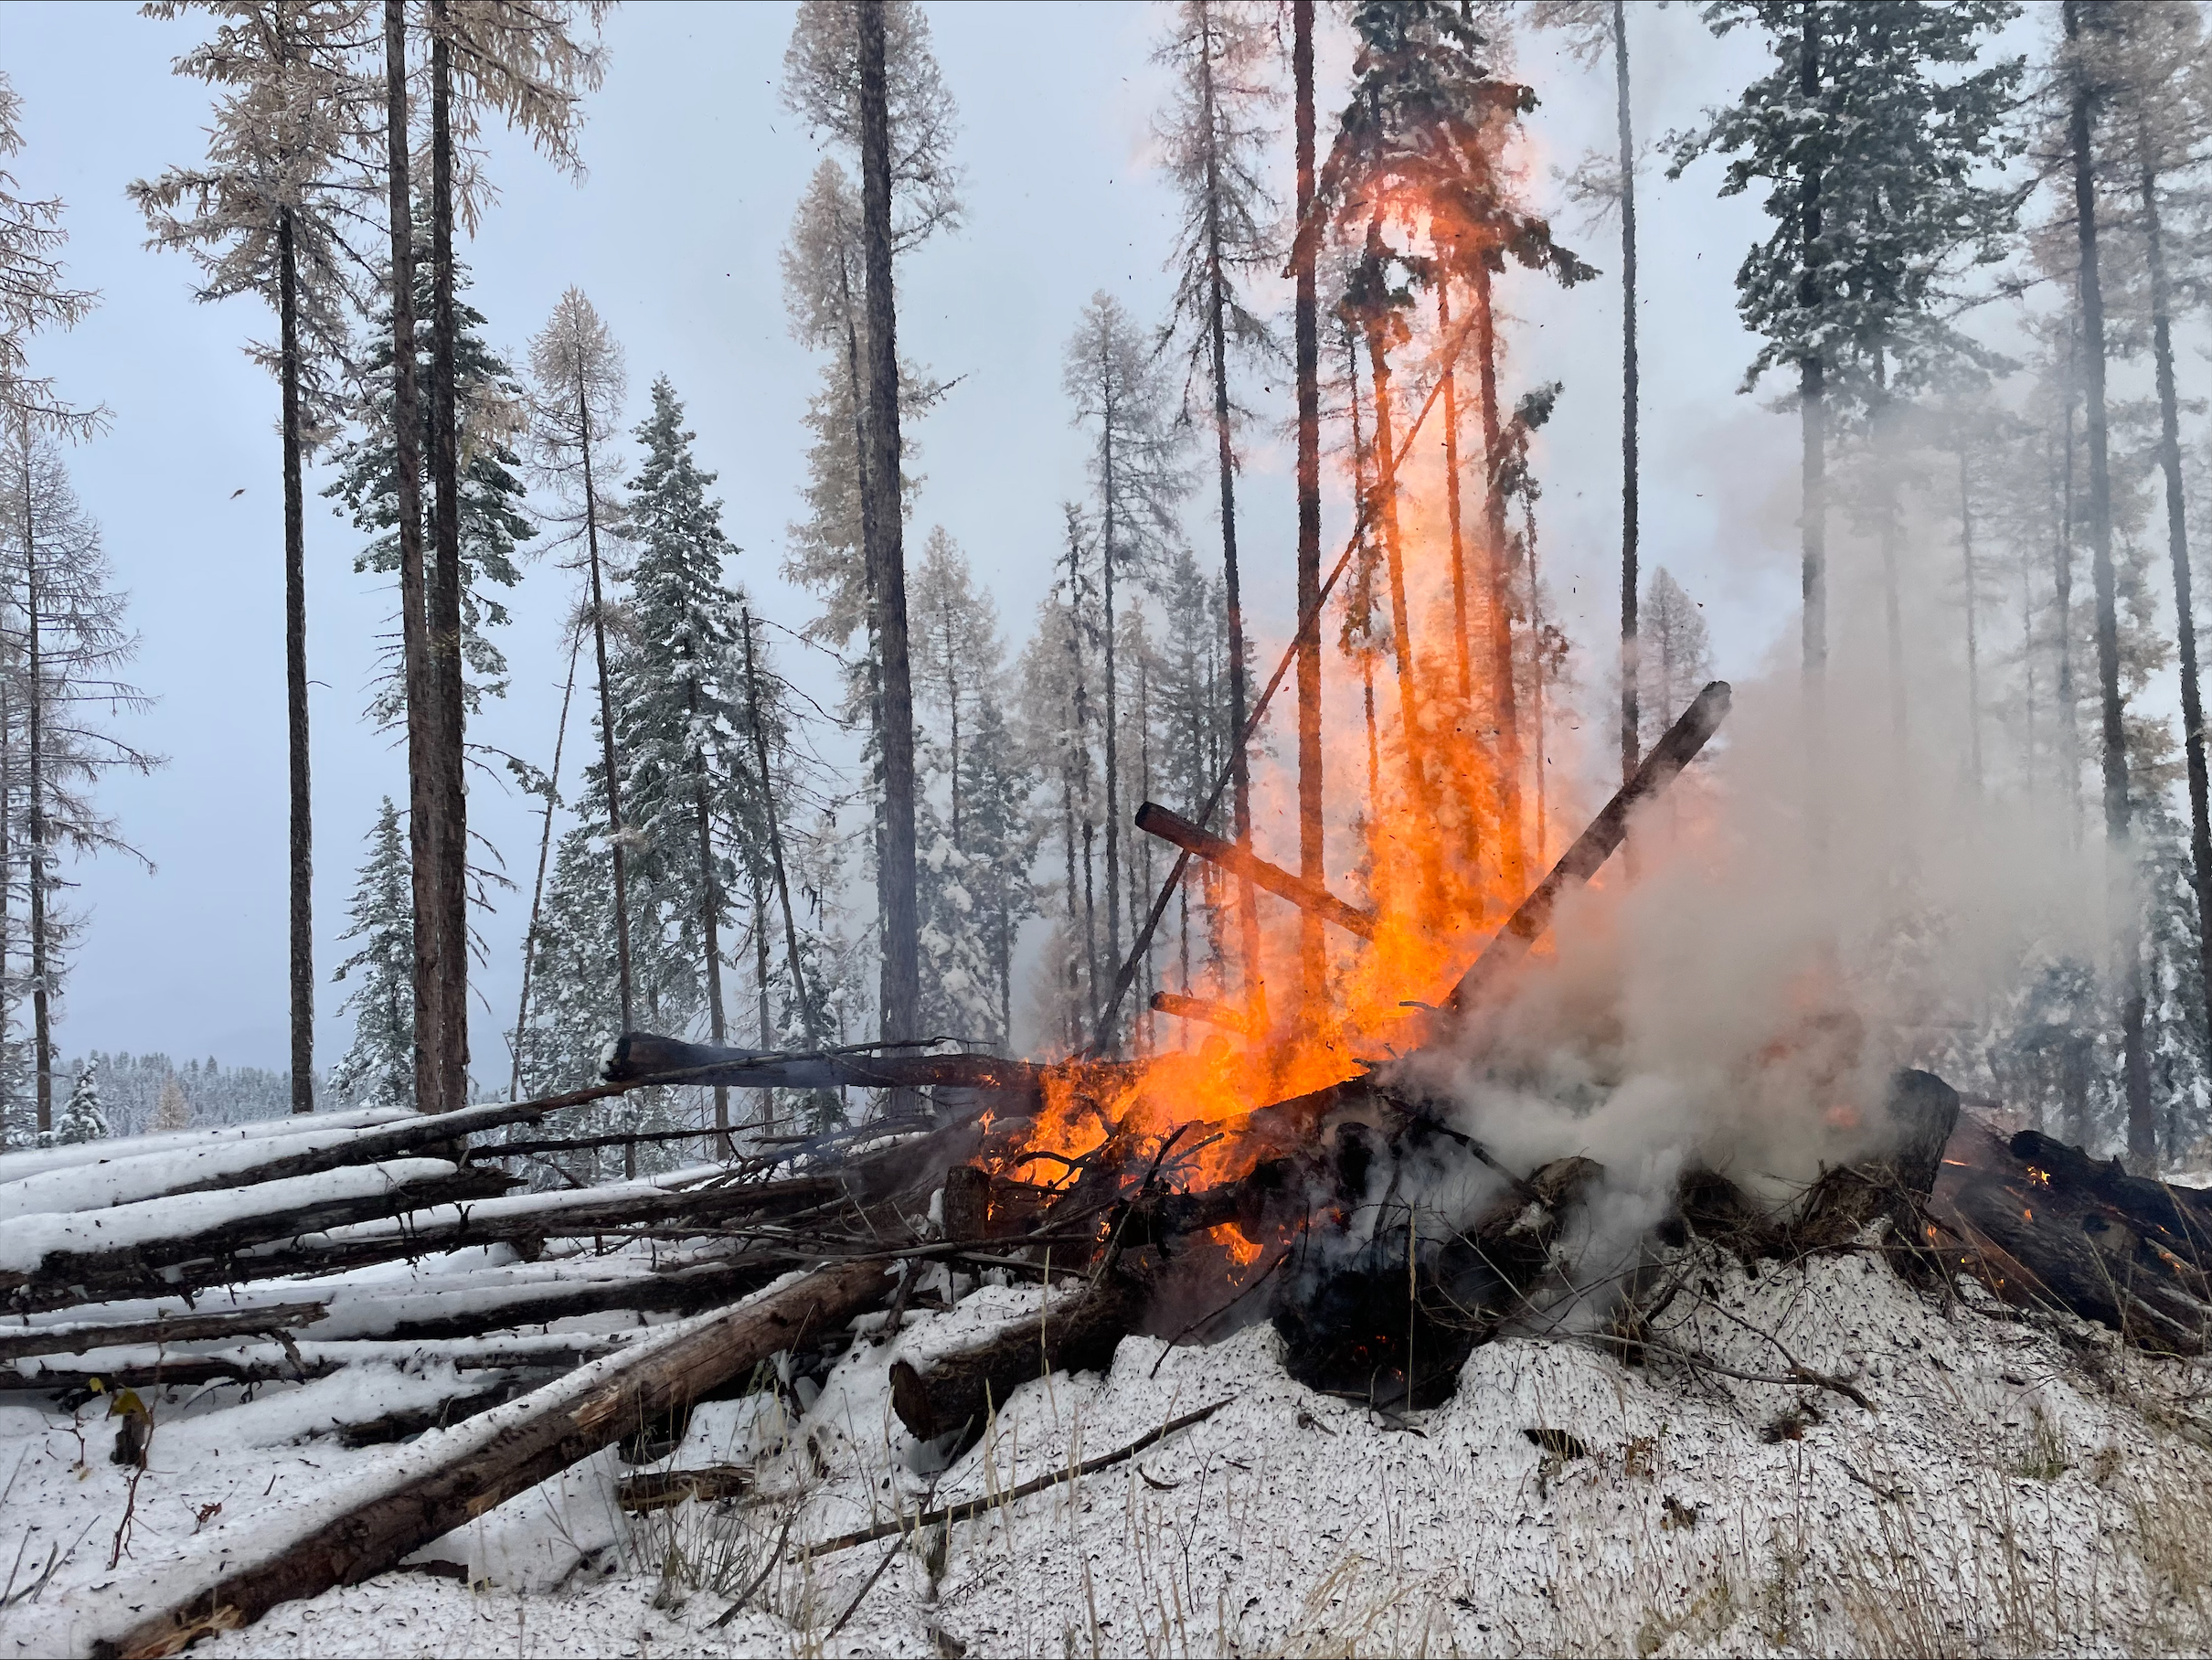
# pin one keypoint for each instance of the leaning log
(1581, 861)
(353, 1530)
(952, 1393)
(1219, 851)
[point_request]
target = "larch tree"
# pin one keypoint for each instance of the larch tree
(377, 1068)
(1873, 132)
(1674, 656)
(863, 74)
(1214, 135)
(34, 297)
(278, 210)
(683, 711)
(578, 367)
(61, 606)
(1113, 379)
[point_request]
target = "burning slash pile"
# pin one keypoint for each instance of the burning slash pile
(1181, 1198)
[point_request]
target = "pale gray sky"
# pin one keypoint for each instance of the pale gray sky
(695, 170)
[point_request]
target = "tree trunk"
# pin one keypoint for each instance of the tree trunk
(1312, 963)
(1812, 417)
(446, 1044)
(1535, 676)
(422, 826)
(1974, 662)
(1512, 832)
(2062, 582)
(608, 765)
(301, 849)
(1216, 308)
(902, 975)
(34, 703)
(1463, 659)
(545, 852)
(1631, 727)
(2143, 1139)
(710, 933)
(809, 1019)
(1108, 513)
(2177, 547)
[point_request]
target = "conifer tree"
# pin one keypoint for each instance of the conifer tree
(1111, 377)
(1872, 132)
(518, 58)
(863, 74)
(579, 370)
(74, 642)
(1674, 655)
(683, 705)
(1596, 29)
(379, 1067)
(493, 521)
(273, 212)
(33, 295)
(83, 1117)
(2086, 88)
(1215, 139)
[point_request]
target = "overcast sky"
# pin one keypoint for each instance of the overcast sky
(695, 169)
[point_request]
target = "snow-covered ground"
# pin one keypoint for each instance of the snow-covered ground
(2013, 1489)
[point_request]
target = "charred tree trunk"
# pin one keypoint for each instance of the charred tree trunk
(1512, 839)
(34, 828)
(1813, 418)
(953, 1394)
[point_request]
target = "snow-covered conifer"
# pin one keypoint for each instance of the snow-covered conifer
(83, 1117)
(379, 1067)
(493, 522)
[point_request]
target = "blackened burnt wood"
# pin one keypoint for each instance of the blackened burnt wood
(952, 1393)
(447, 1479)
(1156, 820)
(644, 1056)
(1673, 752)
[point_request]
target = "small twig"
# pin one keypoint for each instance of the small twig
(852, 1607)
(970, 1510)
(1797, 1374)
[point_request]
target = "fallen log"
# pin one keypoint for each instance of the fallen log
(1206, 1010)
(272, 1362)
(357, 1528)
(76, 1337)
(643, 1056)
(160, 1247)
(952, 1393)
(665, 1489)
(32, 1161)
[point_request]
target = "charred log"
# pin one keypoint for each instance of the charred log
(952, 1394)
